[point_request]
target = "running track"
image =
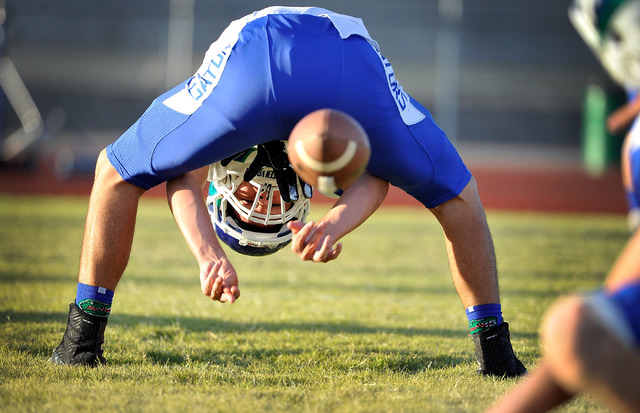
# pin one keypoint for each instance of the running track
(535, 188)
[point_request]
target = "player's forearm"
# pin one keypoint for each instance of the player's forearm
(622, 117)
(198, 232)
(356, 204)
(187, 204)
(627, 267)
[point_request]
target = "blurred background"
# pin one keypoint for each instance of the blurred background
(506, 80)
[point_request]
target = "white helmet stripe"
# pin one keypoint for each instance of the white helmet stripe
(327, 167)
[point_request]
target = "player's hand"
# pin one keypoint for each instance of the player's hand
(219, 281)
(311, 243)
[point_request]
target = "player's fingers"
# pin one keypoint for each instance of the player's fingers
(216, 289)
(230, 293)
(313, 240)
(295, 226)
(300, 238)
(323, 250)
(227, 296)
(327, 252)
(335, 252)
(214, 286)
(206, 279)
(206, 268)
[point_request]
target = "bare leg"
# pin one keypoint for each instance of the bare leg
(106, 247)
(472, 261)
(109, 228)
(584, 355)
(469, 247)
(537, 393)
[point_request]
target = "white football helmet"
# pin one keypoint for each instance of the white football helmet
(264, 233)
(611, 28)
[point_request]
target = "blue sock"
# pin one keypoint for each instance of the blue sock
(94, 300)
(483, 317)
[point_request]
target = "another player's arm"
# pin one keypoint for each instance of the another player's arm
(624, 115)
(218, 278)
(627, 267)
(315, 241)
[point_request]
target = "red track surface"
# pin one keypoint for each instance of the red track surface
(535, 189)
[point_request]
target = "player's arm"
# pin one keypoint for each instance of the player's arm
(627, 267)
(624, 115)
(218, 278)
(314, 241)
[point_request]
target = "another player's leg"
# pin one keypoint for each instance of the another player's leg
(586, 352)
(538, 392)
(106, 248)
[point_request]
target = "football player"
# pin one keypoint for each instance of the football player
(591, 344)
(265, 72)
(611, 29)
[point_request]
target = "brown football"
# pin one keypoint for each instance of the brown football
(328, 149)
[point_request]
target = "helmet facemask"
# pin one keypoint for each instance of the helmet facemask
(245, 224)
(612, 30)
(621, 45)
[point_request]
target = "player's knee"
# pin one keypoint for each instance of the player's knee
(598, 348)
(562, 332)
(106, 176)
(576, 342)
(103, 165)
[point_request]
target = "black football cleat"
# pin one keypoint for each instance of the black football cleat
(82, 341)
(495, 354)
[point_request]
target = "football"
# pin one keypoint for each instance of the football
(329, 150)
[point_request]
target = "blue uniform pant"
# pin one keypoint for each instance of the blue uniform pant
(281, 68)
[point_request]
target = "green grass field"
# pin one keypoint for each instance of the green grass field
(379, 330)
